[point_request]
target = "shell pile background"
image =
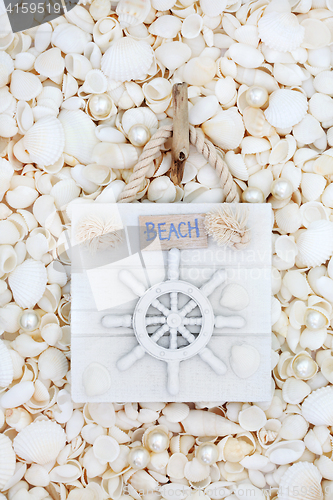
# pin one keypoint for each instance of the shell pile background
(79, 98)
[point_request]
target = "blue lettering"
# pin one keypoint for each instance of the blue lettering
(160, 231)
(173, 230)
(150, 231)
(179, 231)
(196, 227)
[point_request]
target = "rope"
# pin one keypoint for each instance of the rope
(228, 227)
(152, 150)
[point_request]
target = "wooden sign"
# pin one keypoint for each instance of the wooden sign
(163, 232)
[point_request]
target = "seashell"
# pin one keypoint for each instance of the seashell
(63, 192)
(99, 9)
(323, 83)
(235, 297)
(166, 26)
(106, 449)
(321, 107)
(281, 31)
(25, 86)
(236, 165)
(52, 364)
(262, 180)
(24, 117)
(226, 129)
(175, 412)
(202, 423)
(196, 471)
(77, 65)
(285, 452)
(213, 8)
(70, 39)
(96, 380)
(18, 418)
(69, 86)
(294, 427)
(286, 108)
(286, 249)
(253, 145)
(163, 5)
(106, 30)
(312, 211)
(256, 123)
(80, 17)
(139, 116)
(315, 245)
(325, 466)
(6, 368)
(43, 37)
(176, 465)
(296, 283)
(8, 126)
(18, 395)
(244, 360)
(317, 407)
(9, 234)
(132, 12)
(50, 63)
(7, 461)
(136, 58)
(28, 282)
(245, 55)
(80, 138)
(312, 186)
(192, 26)
(323, 165)
(114, 156)
(199, 70)
(173, 54)
(308, 130)
(40, 442)
(21, 197)
(203, 110)
(252, 418)
(294, 391)
(316, 35)
(56, 273)
(305, 474)
(161, 190)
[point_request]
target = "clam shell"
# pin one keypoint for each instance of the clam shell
(139, 116)
(25, 86)
(70, 39)
(173, 54)
(321, 107)
(192, 26)
(106, 449)
(52, 364)
(302, 474)
(175, 412)
(163, 5)
(18, 394)
(226, 129)
(43, 37)
(213, 8)
(323, 83)
(203, 110)
(281, 31)
(252, 418)
(196, 471)
(286, 108)
(80, 138)
(96, 380)
(237, 165)
(7, 460)
(199, 70)
(317, 408)
(244, 360)
(246, 55)
(127, 59)
(293, 427)
(28, 282)
(50, 63)
(315, 245)
(285, 452)
(64, 191)
(166, 26)
(6, 367)
(308, 130)
(176, 466)
(132, 12)
(45, 141)
(312, 186)
(316, 35)
(235, 297)
(40, 442)
(294, 391)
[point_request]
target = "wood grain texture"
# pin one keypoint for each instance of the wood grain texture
(181, 134)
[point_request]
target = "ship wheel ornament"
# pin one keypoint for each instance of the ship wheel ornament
(177, 332)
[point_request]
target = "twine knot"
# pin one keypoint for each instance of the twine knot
(228, 227)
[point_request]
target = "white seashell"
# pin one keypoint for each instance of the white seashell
(308, 130)
(196, 471)
(173, 54)
(236, 165)
(113, 156)
(245, 55)
(316, 35)
(321, 107)
(235, 297)
(325, 467)
(176, 465)
(50, 63)
(175, 412)
(7, 461)
(77, 65)
(293, 427)
(18, 395)
(199, 70)
(312, 186)
(192, 26)
(69, 86)
(106, 30)
(323, 83)
(295, 281)
(70, 39)
(94, 83)
(294, 391)
(315, 245)
(305, 474)
(43, 37)
(286, 108)
(286, 249)
(244, 360)
(52, 364)
(56, 273)
(80, 17)
(252, 418)
(99, 9)
(6, 368)
(40, 442)
(132, 12)
(96, 380)
(256, 123)
(247, 35)
(24, 117)
(281, 31)
(9, 234)
(163, 5)
(323, 165)
(285, 452)
(213, 8)
(254, 145)
(166, 26)
(317, 408)
(136, 58)
(28, 282)
(139, 116)
(161, 190)
(203, 110)
(106, 449)
(226, 129)
(262, 180)
(8, 126)
(202, 423)
(311, 212)
(64, 191)
(80, 138)
(25, 86)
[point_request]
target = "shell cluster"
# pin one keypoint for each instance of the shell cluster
(80, 96)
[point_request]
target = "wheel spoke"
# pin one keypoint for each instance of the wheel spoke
(159, 333)
(186, 334)
(192, 321)
(174, 301)
(155, 320)
(158, 305)
(173, 338)
(191, 304)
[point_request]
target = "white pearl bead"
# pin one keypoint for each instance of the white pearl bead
(253, 195)
(304, 367)
(207, 453)
(315, 320)
(256, 96)
(282, 189)
(157, 441)
(138, 457)
(100, 105)
(29, 320)
(139, 135)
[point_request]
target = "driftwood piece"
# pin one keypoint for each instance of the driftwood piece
(180, 139)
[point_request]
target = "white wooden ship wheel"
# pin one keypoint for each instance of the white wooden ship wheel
(167, 336)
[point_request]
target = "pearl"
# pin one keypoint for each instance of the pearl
(282, 189)
(139, 135)
(157, 441)
(304, 366)
(100, 105)
(138, 457)
(256, 96)
(207, 453)
(29, 320)
(315, 320)
(253, 195)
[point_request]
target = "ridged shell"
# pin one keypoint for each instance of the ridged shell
(80, 138)
(286, 108)
(166, 26)
(70, 39)
(25, 86)
(226, 129)
(196, 471)
(312, 211)
(40, 442)
(244, 360)
(237, 165)
(6, 366)
(50, 63)
(315, 245)
(7, 460)
(52, 364)
(127, 59)
(213, 8)
(281, 31)
(308, 130)
(28, 282)
(324, 83)
(317, 408)
(235, 297)
(45, 141)
(139, 116)
(304, 476)
(175, 412)
(132, 12)
(96, 380)
(64, 191)
(163, 5)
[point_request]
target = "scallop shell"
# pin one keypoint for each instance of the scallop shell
(323, 83)
(6, 367)
(303, 475)
(176, 465)
(286, 108)
(285, 452)
(40, 442)
(52, 364)
(199, 70)
(63, 192)
(80, 138)
(45, 141)
(50, 63)
(315, 245)
(173, 54)
(139, 116)
(213, 8)
(244, 360)
(252, 418)
(281, 31)
(235, 297)
(18, 394)
(166, 26)
(294, 391)
(132, 12)
(127, 59)
(96, 380)
(312, 211)
(25, 86)
(226, 129)
(28, 282)
(70, 39)
(196, 471)
(7, 460)
(317, 408)
(246, 55)
(316, 35)
(308, 130)
(163, 5)
(175, 412)
(294, 427)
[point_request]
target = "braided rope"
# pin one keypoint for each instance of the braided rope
(152, 150)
